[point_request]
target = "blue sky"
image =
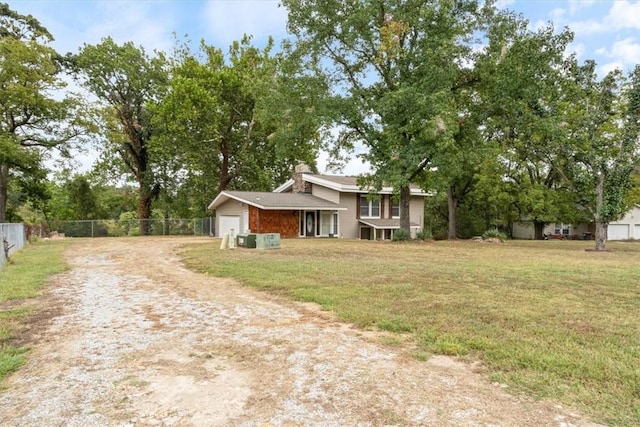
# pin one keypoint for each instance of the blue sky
(607, 31)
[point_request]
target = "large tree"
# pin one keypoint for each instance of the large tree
(237, 121)
(394, 67)
(32, 120)
(127, 82)
(523, 93)
(603, 118)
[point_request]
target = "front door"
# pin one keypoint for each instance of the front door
(310, 224)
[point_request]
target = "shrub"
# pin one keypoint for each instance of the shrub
(423, 235)
(494, 233)
(401, 235)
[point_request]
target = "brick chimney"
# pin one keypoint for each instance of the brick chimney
(299, 185)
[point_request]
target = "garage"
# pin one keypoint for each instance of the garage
(227, 222)
(618, 232)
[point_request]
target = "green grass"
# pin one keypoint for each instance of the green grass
(547, 318)
(21, 278)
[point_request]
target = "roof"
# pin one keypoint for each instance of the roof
(344, 184)
(384, 224)
(267, 200)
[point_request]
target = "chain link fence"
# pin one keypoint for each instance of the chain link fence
(12, 238)
(131, 227)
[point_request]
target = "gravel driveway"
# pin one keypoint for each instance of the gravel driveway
(129, 337)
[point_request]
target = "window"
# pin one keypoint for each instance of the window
(563, 229)
(395, 209)
(369, 208)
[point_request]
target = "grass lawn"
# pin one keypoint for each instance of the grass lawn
(26, 272)
(547, 318)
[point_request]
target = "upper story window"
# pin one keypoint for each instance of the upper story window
(369, 208)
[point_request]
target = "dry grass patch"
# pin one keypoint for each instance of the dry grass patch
(21, 279)
(547, 318)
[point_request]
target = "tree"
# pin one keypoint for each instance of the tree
(523, 94)
(394, 68)
(127, 81)
(603, 118)
(238, 121)
(32, 120)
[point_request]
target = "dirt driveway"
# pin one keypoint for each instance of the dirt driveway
(135, 339)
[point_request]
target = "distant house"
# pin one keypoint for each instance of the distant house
(628, 227)
(310, 205)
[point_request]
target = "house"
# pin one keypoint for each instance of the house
(628, 227)
(310, 205)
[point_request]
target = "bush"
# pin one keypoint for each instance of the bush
(401, 235)
(494, 233)
(423, 235)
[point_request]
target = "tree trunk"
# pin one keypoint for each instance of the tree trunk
(144, 210)
(602, 229)
(538, 230)
(4, 185)
(405, 197)
(602, 226)
(452, 202)
(224, 169)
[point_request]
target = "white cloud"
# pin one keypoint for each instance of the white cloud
(587, 27)
(606, 68)
(623, 52)
(143, 23)
(501, 4)
(624, 15)
(576, 5)
(230, 20)
(557, 14)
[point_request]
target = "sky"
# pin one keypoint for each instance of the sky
(607, 31)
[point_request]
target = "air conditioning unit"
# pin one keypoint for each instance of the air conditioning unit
(246, 241)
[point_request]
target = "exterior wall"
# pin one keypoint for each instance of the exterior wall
(326, 193)
(231, 207)
(349, 225)
(632, 219)
(283, 222)
(416, 212)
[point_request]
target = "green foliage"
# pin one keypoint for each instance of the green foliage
(127, 82)
(397, 324)
(11, 359)
(243, 121)
(603, 115)
(494, 233)
(424, 234)
(394, 68)
(22, 278)
(401, 235)
(32, 119)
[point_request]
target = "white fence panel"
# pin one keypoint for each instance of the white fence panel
(15, 237)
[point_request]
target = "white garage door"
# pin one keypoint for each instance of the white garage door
(227, 222)
(618, 231)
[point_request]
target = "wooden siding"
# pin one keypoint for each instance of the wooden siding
(283, 222)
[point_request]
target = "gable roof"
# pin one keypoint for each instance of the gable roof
(267, 200)
(343, 184)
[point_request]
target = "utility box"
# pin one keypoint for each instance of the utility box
(267, 241)
(246, 241)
